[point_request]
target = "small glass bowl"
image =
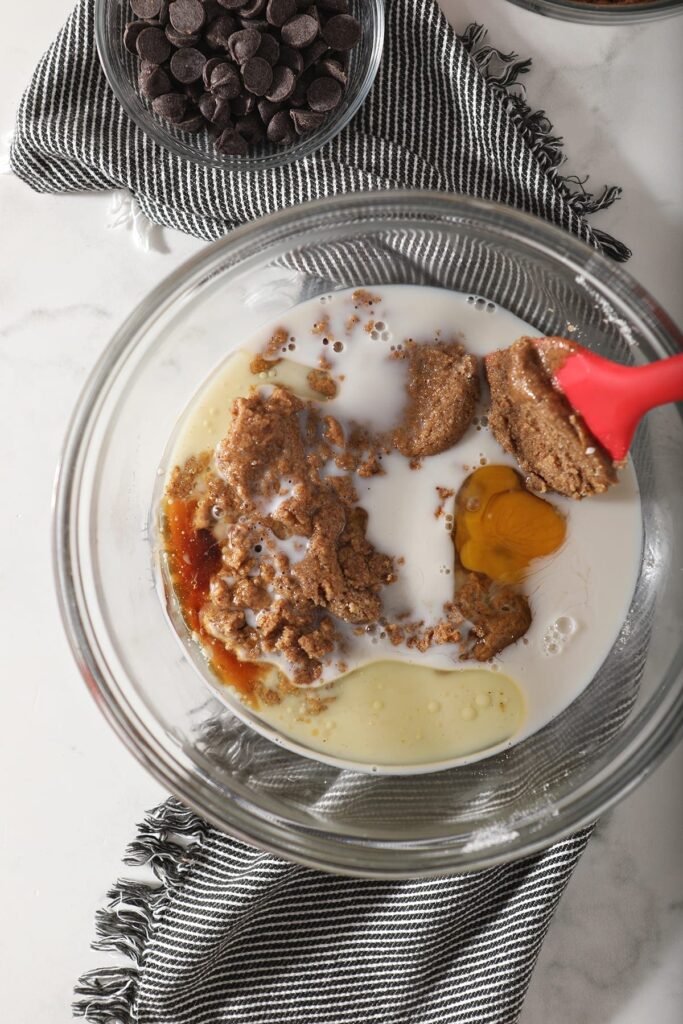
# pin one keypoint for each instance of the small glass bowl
(601, 13)
(121, 70)
(153, 692)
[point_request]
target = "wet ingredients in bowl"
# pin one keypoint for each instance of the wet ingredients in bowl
(371, 579)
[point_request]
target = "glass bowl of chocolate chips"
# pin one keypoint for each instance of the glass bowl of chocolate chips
(243, 85)
(604, 12)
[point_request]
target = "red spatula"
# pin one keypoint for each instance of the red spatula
(612, 398)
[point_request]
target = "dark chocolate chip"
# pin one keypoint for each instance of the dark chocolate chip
(207, 104)
(187, 65)
(231, 143)
(153, 81)
(192, 123)
(222, 115)
(187, 16)
(253, 8)
(300, 31)
(244, 44)
(269, 48)
(225, 81)
(243, 104)
(280, 11)
(291, 58)
(314, 52)
(250, 127)
(324, 94)
(163, 13)
(172, 106)
(217, 35)
(145, 8)
(332, 69)
(342, 32)
(306, 121)
(152, 45)
(232, 5)
(283, 84)
(212, 62)
(179, 39)
(280, 128)
(131, 33)
(298, 97)
(257, 75)
(267, 109)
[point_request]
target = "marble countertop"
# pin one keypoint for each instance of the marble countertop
(72, 794)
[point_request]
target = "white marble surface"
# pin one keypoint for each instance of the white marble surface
(71, 793)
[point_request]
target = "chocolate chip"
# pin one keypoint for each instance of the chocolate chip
(163, 12)
(253, 8)
(332, 69)
(231, 143)
(269, 48)
(152, 45)
(172, 106)
(218, 33)
(225, 81)
(192, 123)
(243, 104)
(194, 89)
(280, 11)
(306, 121)
(342, 32)
(337, 6)
(145, 8)
(187, 16)
(244, 44)
(222, 115)
(260, 24)
(212, 62)
(324, 94)
(257, 75)
(207, 105)
(298, 97)
(291, 58)
(187, 65)
(232, 5)
(250, 127)
(280, 128)
(300, 31)
(153, 81)
(131, 33)
(267, 108)
(314, 52)
(180, 40)
(283, 84)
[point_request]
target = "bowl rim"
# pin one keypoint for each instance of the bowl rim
(588, 11)
(277, 158)
(629, 762)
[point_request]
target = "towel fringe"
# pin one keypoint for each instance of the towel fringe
(167, 842)
(502, 71)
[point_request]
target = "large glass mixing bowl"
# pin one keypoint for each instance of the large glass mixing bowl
(151, 690)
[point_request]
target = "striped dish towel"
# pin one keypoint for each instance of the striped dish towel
(227, 934)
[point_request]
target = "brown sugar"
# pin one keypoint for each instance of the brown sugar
(531, 419)
(321, 382)
(498, 614)
(443, 389)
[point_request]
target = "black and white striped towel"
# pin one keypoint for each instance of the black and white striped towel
(230, 934)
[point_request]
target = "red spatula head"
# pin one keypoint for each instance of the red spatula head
(612, 399)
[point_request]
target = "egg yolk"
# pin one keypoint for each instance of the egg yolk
(500, 527)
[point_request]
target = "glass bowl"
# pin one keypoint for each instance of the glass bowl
(468, 817)
(603, 13)
(120, 68)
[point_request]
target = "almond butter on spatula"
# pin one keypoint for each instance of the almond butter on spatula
(612, 399)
